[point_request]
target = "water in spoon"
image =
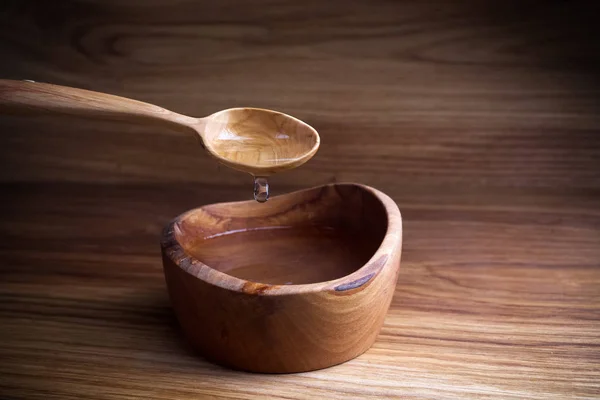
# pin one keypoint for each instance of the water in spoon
(261, 141)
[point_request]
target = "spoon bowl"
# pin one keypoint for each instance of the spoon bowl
(258, 141)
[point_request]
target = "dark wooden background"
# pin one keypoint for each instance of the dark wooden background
(480, 118)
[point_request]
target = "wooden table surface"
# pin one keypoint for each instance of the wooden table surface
(480, 119)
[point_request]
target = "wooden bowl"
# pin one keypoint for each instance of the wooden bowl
(300, 283)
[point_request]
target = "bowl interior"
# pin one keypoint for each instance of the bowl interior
(305, 237)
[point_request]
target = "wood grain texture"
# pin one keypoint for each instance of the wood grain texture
(497, 297)
(476, 93)
(258, 141)
(480, 119)
(257, 326)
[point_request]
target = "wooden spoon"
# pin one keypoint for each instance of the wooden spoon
(253, 140)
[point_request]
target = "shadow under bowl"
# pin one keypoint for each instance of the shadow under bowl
(301, 283)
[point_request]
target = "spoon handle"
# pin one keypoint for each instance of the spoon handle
(72, 101)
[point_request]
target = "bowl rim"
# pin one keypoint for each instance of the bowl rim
(390, 245)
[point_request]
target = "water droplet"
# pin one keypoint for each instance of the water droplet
(261, 189)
